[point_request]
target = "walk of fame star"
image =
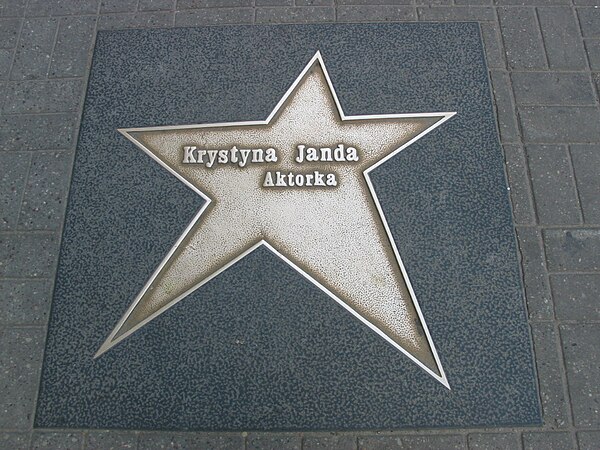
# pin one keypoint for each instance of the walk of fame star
(335, 234)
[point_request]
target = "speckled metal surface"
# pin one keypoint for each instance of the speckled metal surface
(260, 347)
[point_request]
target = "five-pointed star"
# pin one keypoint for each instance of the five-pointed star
(336, 236)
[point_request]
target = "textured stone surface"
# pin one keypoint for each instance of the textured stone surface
(553, 88)
(539, 300)
(42, 96)
(37, 132)
(561, 34)
(588, 440)
(20, 361)
(24, 302)
(45, 194)
(100, 440)
(339, 442)
(12, 184)
(28, 255)
(548, 441)
(492, 441)
(518, 179)
(35, 46)
(580, 345)
(505, 108)
(522, 38)
(555, 404)
(554, 189)
(576, 296)
(439, 442)
(586, 161)
(73, 47)
(71, 57)
(547, 124)
(573, 249)
(301, 345)
(56, 441)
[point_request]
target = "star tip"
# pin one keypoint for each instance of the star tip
(103, 349)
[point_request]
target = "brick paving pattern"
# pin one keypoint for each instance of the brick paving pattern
(544, 62)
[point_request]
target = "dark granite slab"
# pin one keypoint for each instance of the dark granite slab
(260, 347)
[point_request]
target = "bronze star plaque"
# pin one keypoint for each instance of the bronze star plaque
(297, 183)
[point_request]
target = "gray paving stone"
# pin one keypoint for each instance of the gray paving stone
(586, 164)
(473, 2)
(505, 109)
(553, 88)
(112, 6)
(269, 441)
(555, 406)
(191, 4)
(588, 440)
(374, 2)
(434, 2)
(37, 132)
(518, 180)
(582, 360)
(149, 19)
(56, 441)
(553, 183)
(9, 32)
(34, 49)
(24, 302)
(12, 184)
(199, 441)
(494, 441)
(562, 39)
(589, 18)
(592, 48)
(458, 13)
(46, 191)
(573, 249)
(274, 2)
(315, 2)
(576, 296)
(42, 96)
(109, 440)
(331, 441)
(28, 254)
(548, 441)
(522, 38)
(494, 51)
(212, 16)
(430, 442)
(532, 2)
(61, 7)
(6, 57)
(12, 8)
(560, 124)
(73, 47)
(537, 288)
(14, 441)
(20, 361)
(375, 13)
(295, 15)
(156, 5)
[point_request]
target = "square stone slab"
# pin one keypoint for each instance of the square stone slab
(260, 347)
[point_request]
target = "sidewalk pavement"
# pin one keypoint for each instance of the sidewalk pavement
(544, 62)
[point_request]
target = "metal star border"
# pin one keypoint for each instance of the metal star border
(145, 308)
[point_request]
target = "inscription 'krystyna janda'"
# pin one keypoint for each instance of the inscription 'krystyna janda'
(305, 154)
